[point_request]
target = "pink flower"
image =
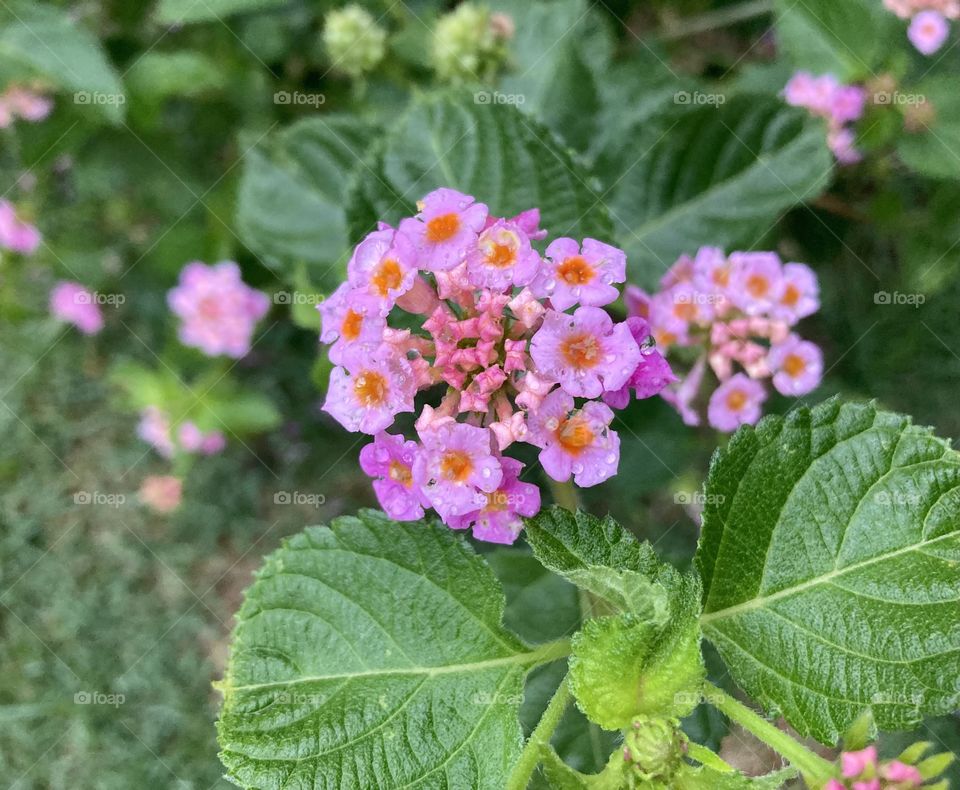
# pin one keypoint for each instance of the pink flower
(390, 460)
(896, 771)
(849, 102)
(71, 302)
(193, 440)
(757, 284)
(383, 266)
(575, 441)
(833, 784)
(217, 309)
(711, 271)
(15, 234)
(652, 374)
(353, 321)
(928, 31)
(842, 143)
(573, 274)
(161, 493)
(585, 352)
(369, 396)
(815, 94)
(445, 229)
(801, 294)
(853, 764)
(736, 402)
(797, 366)
(502, 258)
(19, 102)
(683, 396)
(498, 519)
(154, 428)
(455, 464)
(870, 784)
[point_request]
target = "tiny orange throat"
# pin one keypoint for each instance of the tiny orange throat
(442, 228)
(574, 434)
(757, 285)
(400, 473)
(351, 326)
(501, 256)
(736, 400)
(370, 388)
(456, 466)
(581, 351)
(576, 271)
(387, 277)
(791, 295)
(794, 365)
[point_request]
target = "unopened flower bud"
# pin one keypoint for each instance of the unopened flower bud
(354, 41)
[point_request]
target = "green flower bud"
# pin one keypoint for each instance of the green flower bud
(468, 43)
(354, 42)
(653, 748)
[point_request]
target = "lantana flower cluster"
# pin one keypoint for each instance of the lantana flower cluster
(20, 103)
(734, 314)
(840, 105)
(218, 311)
(73, 303)
(16, 234)
(157, 429)
(518, 342)
(861, 770)
(929, 25)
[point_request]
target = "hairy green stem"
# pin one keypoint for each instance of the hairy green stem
(816, 770)
(716, 19)
(540, 737)
(708, 757)
(547, 652)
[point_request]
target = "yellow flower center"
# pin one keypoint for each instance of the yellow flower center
(400, 473)
(574, 434)
(582, 351)
(370, 388)
(757, 285)
(442, 228)
(794, 365)
(351, 326)
(736, 400)
(576, 271)
(456, 466)
(387, 277)
(791, 295)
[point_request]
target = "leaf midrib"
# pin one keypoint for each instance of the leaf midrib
(760, 602)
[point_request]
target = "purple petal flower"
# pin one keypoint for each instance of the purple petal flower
(736, 402)
(353, 321)
(652, 374)
(797, 366)
(390, 460)
(928, 31)
(154, 429)
(498, 519)
(368, 397)
(384, 265)
(445, 229)
(585, 352)
(757, 282)
(71, 302)
(502, 258)
(801, 294)
(573, 274)
(15, 234)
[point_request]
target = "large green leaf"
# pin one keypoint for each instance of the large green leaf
(178, 12)
(713, 175)
(44, 40)
(372, 654)
(830, 556)
(935, 150)
(491, 151)
(291, 203)
(849, 39)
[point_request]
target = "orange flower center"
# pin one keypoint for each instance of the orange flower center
(791, 295)
(501, 256)
(581, 351)
(351, 326)
(387, 277)
(576, 271)
(757, 285)
(736, 400)
(442, 228)
(721, 276)
(794, 365)
(400, 473)
(456, 466)
(685, 311)
(664, 338)
(370, 388)
(574, 434)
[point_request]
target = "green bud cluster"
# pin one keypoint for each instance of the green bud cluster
(354, 41)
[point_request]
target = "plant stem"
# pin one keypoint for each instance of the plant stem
(565, 494)
(816, 770)
(716, 19)
(547, 652)
(530, 756)
(707, 757)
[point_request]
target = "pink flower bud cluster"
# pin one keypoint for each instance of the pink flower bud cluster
(157, 430)
(71, 302)
(217, 309)
(862, 771)
(495, 333)
(929, 25)
(17, 102)
(15, 234)
(826, 97)
(737, 310)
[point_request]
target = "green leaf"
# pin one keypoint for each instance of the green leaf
(848, 39)
(43, 39)
(178, 12)
(371, 654)
(934, 151)
(600, 556)
(714, 175)
(292, 192)
(491, 151)
(159, 75)
(627, 666)
(830, 555)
